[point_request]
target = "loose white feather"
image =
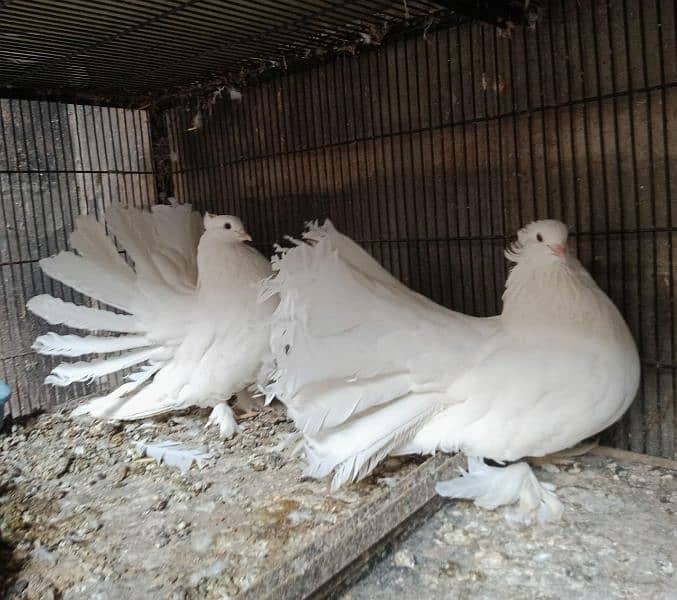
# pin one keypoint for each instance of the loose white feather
(173, 454)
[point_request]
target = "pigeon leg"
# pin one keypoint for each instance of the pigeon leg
(222, 415)
(246, 402)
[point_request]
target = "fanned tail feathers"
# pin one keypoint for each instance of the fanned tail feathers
(91, 279)
(106, 406)
(85, 371)
(53, 344)
(339, 365)
(57, 312)
(162, 244)
(363, 462)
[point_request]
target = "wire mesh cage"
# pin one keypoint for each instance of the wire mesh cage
(426, 136)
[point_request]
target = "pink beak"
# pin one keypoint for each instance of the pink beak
(559, 250)
(245, 237)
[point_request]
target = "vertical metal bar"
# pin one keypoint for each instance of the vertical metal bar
(651, 438)
(436, 216)
(400, 135)
(415, 242)
(588, 164)
(285, 223)
(491, 296)
(255, 199)
(502, 174)
(454, 160)
(313, 142)
(97, 112)
(301, 148)
(572, 132)
(274, 166)
(62, 154)
(370, 215)
(640, 415)
(14, 334)
(228, 156)
(399, 240)
(449, 301)
(603, 149)
(669, 434)
(473, 286)
(360, 192)
(388, 231)
(428, 287)
(126, 160)
(380, 197)
(480, 306)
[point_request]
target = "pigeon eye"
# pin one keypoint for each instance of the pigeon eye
(539, 237)
(227, 226)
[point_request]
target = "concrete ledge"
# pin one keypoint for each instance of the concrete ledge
(323, 558)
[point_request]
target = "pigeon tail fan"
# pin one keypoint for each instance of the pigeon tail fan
(194, 332)
(352, 344)
(57, 312)
(96, 268)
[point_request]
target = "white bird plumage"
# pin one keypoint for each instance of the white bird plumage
(192, 329)
(367, 367)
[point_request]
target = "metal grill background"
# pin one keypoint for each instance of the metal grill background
(432, 151)
(56, 161)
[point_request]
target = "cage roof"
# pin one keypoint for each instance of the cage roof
(129, 48)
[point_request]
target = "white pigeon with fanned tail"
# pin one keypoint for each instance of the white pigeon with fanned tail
(368, 368)
(193, 330)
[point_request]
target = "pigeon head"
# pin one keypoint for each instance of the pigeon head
(229, 227)
(540, 242)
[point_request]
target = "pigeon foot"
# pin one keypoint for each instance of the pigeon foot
(222, 415)
(491, 487)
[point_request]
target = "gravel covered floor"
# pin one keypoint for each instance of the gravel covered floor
(83, 516)
(618, 539)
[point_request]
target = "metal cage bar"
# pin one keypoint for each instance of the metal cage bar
(56, 161)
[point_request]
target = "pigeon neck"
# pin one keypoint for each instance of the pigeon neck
(215, 259)
(554, 295)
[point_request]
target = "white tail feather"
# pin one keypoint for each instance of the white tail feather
(53, 344)
(330, 403)
(91, 279)
(67, 373)
(105, 406)
(92, 243)
(356, 447)
(365, 461)
(491, 487)
(57, 312)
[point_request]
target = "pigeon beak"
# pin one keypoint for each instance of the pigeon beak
(559, 250)
(245, 237)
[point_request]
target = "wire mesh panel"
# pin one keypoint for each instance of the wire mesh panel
(56, 161)
(432, 151)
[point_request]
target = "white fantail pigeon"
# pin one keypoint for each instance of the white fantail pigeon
(369, 368)
(193, 329)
